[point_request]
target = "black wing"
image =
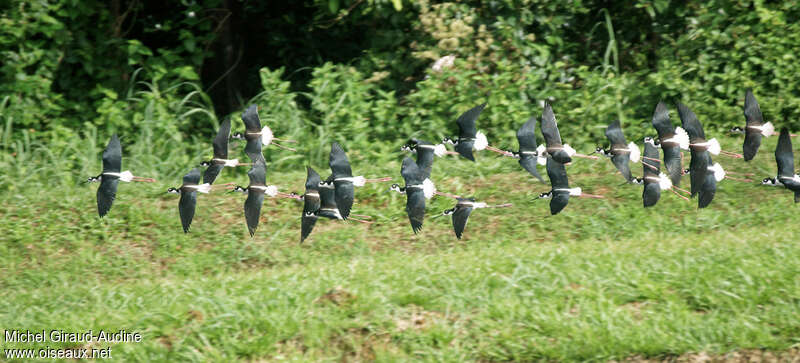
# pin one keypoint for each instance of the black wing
(221, 141)
(526, 135)
(672, 162)
(112, 156)
(411, 172)
(615, 135)
(529, 163)
(258, 173)
(752, 111)
(312, 179)
(558, 200)
(345, 194)
(466, 122)
(464, 148)
(306, 226)
(211, 173)
(338, 162)
(698, 168)
(460, 218)
(784, 156)
(650, 162)
(250, 118)
(415, 207)
(707, 191)
(650, 194)
(621, 162)
(252, 208)
(192, 177)
(106, 194)
(557, 174)
(549, 127)
(425, 157)
(662, 123)
(690, 123)
(186, 208)
(327, 197)
(253, 150)
(752, 141)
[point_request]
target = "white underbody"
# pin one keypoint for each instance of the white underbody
(334, 210)
(766, 129)
(576, 192)
(125, 176)
(202, 188)
(681, 138)
(228, 163)
(358, 181)
(480, 141)
(795, 178)
(719, 173)
(270, 190)
(474, 205)
(663, 181)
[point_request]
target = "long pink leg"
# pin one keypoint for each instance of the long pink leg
(731, 154)
(446, 195)
(650, 166)
(591, 196)
(587, 156)
(506, 205)
(361, 215)
(388, 178)
(244, 164)
(451, 153)
(143, 179)
(290, 196)
(502, 152)
(285, 140)
(283, 147)
(678, 194)
(651, 159)
(359, 220)
(683, 190)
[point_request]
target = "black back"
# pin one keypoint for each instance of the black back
(461, 216)
(753, 117)
(784, 156)
(221, 140)
(466, 122)
(112, 156)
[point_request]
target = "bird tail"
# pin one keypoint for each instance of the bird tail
(635, 153)
(714, 147)
(683, 138)
(768, 129)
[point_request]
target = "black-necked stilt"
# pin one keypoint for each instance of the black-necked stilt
(111, 175)
(559, 187)
(671, 139)
(754, 126)
(621, 152)
(311, 203)
(188, 191)
(697, 138)
(701, 159)
(220, 160)
(469, 138)
(417, 189)
(343, 180)
(255, 135)
(462, 210)
(426, 152)
(255, 194)
(562, 153)
(784, 157)
(528, 154)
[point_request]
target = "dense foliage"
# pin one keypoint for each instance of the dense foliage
(361, 71)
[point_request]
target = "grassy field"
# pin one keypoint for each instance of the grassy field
(605, 279)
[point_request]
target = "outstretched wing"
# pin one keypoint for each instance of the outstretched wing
(466, 122)
(752, 141)
(258, 173)
(250, 118)
(662, 123)
(192, 177)
(672, 162)
(252, 209)
(112, 156)
(306, 226)
(650, 194)
(707, 190)
(615, 135)
(221, 141)
(425, 156)
(526, 135)
(312, 179)
(621, 162)
(106, 194)
(338, 162)
(211, 173)
(557, 174)
(784, 156)
(344, 194)
(253, 150)
(752, 111)
(529, 163)
(186, 208)
(411, 172)
(558, 201)
(464, 148)
(690, 123)
(415, 207)
(549, 127)
(460, 219)
(698, 168)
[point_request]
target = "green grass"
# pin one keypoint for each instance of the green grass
(605, 279)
